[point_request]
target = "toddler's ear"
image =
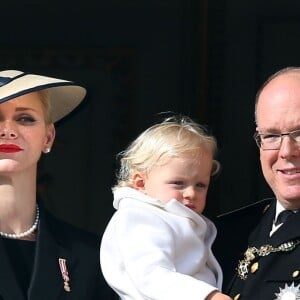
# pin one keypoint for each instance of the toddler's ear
(138, 181)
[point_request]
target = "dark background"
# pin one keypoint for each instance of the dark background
(137, 58)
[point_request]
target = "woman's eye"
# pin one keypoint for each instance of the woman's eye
(25, 119)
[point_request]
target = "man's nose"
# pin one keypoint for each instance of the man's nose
(288, 147)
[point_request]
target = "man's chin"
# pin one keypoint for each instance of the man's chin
(290, 200)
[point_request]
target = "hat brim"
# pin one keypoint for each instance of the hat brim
(64, 95)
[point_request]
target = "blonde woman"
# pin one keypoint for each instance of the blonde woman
(41, 257)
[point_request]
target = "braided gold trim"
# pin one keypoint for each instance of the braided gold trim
(253, 252)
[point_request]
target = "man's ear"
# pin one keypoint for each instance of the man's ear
(138, 181)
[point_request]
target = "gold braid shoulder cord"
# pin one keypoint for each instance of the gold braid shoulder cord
(253, 252)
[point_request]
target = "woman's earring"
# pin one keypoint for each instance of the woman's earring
(47, 150)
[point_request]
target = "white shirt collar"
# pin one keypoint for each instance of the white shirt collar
(279, 209)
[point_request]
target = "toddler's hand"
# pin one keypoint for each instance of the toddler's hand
(216, 295)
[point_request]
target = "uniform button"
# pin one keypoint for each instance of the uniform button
(237, 296)
(254, 267)
(295, 274)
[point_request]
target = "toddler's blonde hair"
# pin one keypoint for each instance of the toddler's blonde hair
(173, 137)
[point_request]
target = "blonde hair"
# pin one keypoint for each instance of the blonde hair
(46, 105)
(171, 138)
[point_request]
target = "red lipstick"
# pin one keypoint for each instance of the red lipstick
(9, 148)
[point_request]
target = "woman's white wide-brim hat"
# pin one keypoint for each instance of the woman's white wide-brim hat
(64, 95)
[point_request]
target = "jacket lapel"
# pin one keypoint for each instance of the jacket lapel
(261, 234)
(288, 231)
(9, 288)
(47, 278)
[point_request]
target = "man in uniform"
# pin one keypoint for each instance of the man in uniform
(269, 265)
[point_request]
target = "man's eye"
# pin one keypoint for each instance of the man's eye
(296, 135)
(270, 136)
